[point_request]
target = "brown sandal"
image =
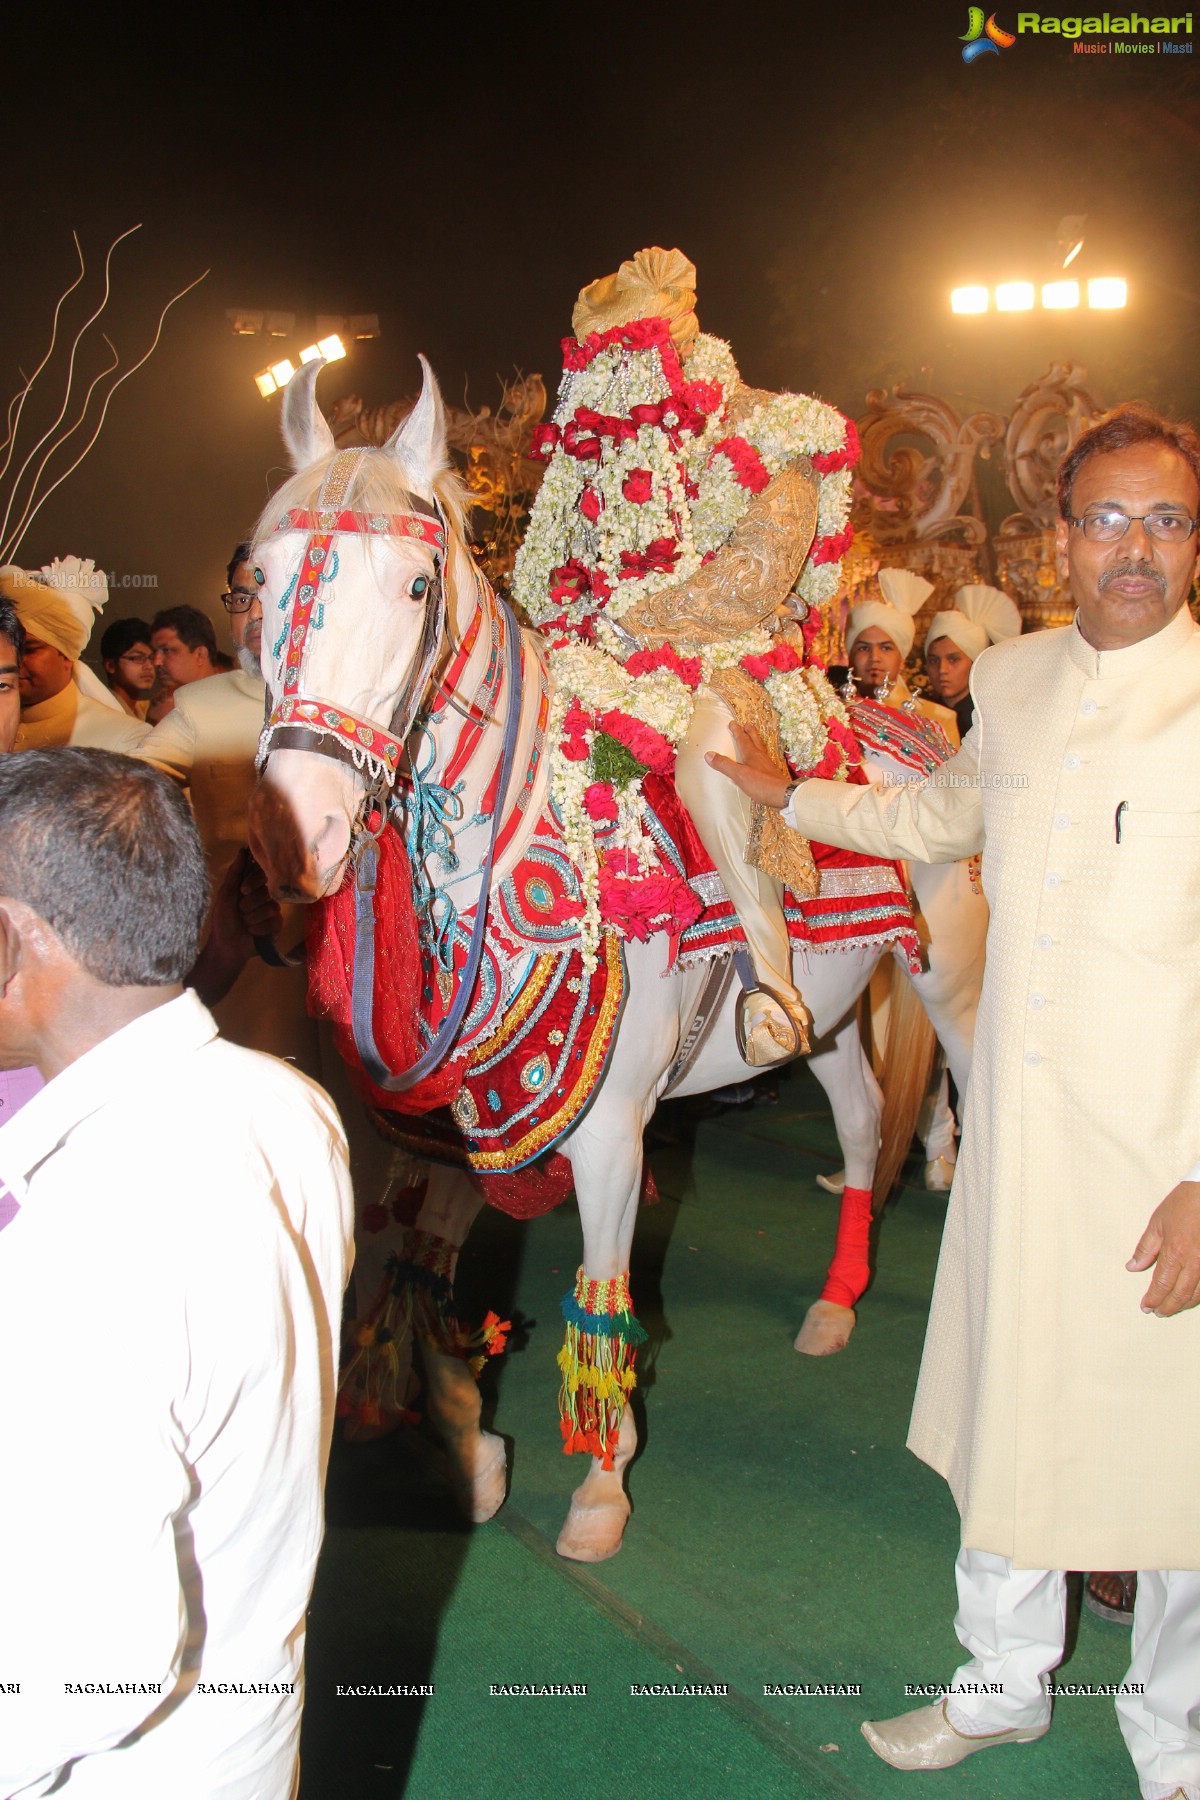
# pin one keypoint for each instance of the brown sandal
(1111, 1594)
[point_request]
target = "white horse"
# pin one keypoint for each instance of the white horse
(346, 678)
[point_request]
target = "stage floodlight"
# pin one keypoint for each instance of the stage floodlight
(283, 372)
(969, 300)
(244, 324)
(266, 383)
(363, 325)
(309, 353)
(331, 348)
(1058, 296)
(1107, 291)
(1014, 296)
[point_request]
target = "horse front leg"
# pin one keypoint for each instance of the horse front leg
(450, 1356)
(597, 1361)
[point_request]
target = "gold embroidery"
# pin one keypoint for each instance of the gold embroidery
(748, 579)
(771, 845)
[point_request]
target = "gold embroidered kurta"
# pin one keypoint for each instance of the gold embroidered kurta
(1065, 1419)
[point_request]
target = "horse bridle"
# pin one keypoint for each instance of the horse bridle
(301, 721)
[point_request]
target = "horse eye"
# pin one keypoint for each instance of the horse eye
(419, 587)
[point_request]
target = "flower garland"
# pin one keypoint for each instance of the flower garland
(645, 483)
(614, 723)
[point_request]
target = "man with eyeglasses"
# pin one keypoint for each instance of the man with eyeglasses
(129, 665)
(208, 742)
(1058, 1386)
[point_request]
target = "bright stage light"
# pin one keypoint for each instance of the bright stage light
(1057, 296)
(266, 384)
(309, 353)
(331, 348)
(283, 372)
(1014, 296)
(969, 300)
(1107, 291)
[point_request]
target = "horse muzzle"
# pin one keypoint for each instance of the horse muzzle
(301, 823)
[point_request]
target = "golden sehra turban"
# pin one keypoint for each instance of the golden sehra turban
(654, 284)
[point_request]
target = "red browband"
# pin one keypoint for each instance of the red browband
(325, 521)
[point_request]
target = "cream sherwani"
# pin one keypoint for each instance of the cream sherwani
(1062, 1416)
(208, 741)
(70, 717)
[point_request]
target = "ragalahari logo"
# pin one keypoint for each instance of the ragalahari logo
(982, 39)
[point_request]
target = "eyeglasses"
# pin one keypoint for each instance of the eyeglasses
(1109, 526)
(239, 600)
(140, 657)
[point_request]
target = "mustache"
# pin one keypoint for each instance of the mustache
(1140, 571)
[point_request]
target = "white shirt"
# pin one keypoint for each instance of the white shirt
(169, 1300)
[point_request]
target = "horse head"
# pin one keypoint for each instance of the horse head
(353, 552)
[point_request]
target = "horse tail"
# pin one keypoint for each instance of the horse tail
(907, 1065)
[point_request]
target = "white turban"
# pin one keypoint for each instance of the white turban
(983, 616)
(59, 602)
(904, 594)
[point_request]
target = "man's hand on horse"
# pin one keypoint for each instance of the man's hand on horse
(755, 771)
(1171, 1242)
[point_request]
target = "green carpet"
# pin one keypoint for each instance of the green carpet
(781, 1532)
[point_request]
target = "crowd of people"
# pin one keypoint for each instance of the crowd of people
(199, 1308)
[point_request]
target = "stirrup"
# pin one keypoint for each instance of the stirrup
(786, 1052)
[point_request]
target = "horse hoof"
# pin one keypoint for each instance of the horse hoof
(593, 1533)
(481, 1491)
(826, 1329)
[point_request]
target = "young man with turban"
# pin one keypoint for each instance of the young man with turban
(982, 616)
(62, 702)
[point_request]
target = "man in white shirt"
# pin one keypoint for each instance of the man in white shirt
(167, 1326)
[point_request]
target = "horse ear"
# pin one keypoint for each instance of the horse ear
(419, 444)
(306, 430)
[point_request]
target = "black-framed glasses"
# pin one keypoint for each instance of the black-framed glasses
(239, 600)
(139, 657)
(1109, 526)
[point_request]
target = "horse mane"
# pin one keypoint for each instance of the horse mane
(378, 487)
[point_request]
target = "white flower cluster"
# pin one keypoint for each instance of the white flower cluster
(780, 428)
(598, 684)
(805, 703)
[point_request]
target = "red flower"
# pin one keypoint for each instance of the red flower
(575, 723)
(825, 462)
(375, 1216)
(642, 741)
(748, 465)
(546, 439)
(646, 414)
(703, 396)
(688, 668)
(780, 659)
(832, 548)
(640, 904)
(636, 486)
(599, 801)
(590, 504)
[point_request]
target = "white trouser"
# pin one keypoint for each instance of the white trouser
(1013, 1622)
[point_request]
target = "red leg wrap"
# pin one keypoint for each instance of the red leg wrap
(850, 1270)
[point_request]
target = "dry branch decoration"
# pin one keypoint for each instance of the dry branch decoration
(23, 491)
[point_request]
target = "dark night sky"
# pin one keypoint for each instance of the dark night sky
(462, 175)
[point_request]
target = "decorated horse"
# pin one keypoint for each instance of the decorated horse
(494, 1001)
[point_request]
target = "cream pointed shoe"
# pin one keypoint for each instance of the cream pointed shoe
(925, 1739)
